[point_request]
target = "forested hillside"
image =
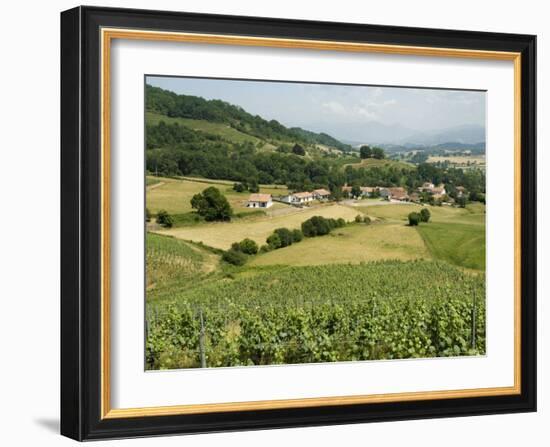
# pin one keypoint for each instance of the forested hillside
(188, 135)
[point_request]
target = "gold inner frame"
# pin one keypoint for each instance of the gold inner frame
(107, 35)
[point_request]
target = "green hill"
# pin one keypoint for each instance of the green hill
(172, 105)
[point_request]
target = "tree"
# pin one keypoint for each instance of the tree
(359, 218)
(425, 214)
(147, 215)
(212, 205)
(316, 226)
(234, 257)
(366, 220)
(356, 190)
(461, 202)
(248, 246)
(378, 153)
(164, 219)
(365, 151)
(239, 187)
(253, 186)
(341, 222)
(285, 236)
(414, 219)
(298, 150)
(273, 241)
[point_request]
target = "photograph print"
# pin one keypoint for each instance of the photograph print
(293, 223)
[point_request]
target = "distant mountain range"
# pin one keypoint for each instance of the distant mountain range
(399, 137)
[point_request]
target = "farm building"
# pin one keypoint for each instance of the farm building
(385, 193)
(302, 197)
(398, 194)
(259, 201)
(298, 197)
(439, 190)
(367, 191)
(321, 194)
(427, 186)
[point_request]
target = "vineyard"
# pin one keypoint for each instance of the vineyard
(341, 312)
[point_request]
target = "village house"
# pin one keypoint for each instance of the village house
(460, 191)
(321, 194)
(427, 186)
(414, 197)
(384, 193)
(298, 198)
(367, 191)
(398, 194)
(439, 190)
(346, 189)
(259, 201)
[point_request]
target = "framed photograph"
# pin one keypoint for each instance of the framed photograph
(274, 223)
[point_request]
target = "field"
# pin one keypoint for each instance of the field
(223, 130)
(381, 310)
(174, 195)
(383, 290)
(460, 161)
(373, 162)
(353, 244)
(222, 234)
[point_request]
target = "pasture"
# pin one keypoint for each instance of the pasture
(174, 195)
(222, 234)
(354, 243)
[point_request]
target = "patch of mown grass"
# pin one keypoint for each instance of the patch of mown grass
(457, 243)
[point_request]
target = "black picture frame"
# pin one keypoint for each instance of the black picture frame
(81, 223)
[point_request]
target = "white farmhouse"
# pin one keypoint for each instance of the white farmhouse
(259, 201)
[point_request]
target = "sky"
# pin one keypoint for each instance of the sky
(348, 112)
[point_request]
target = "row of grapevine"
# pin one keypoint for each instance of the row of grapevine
(384, 310)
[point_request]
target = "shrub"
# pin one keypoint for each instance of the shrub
(274, 241)
(366, 220)
(164, 219)
(297, 235)
(264, 249)
(248, 246)
(341, 222)
(285, 236)
(425, 214)
(236, 246)
(147, 215)
(316, 226)
(359, 218)
(234, 257)
(414, 219)
(239, 187)
(461, 202)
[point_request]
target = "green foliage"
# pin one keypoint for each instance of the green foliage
(317, 226)
(365, 152)
(359, 218)
(425, 215)
(212, 205)
(235, 257)
(274, 241)
(297, 235)
(164, 219)
(298, 150)
(414, 219)
(239, 187)
(147, 215)
(323, 314)
(248, 246)
(285, 236)
(461, 202)
(366, 220)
